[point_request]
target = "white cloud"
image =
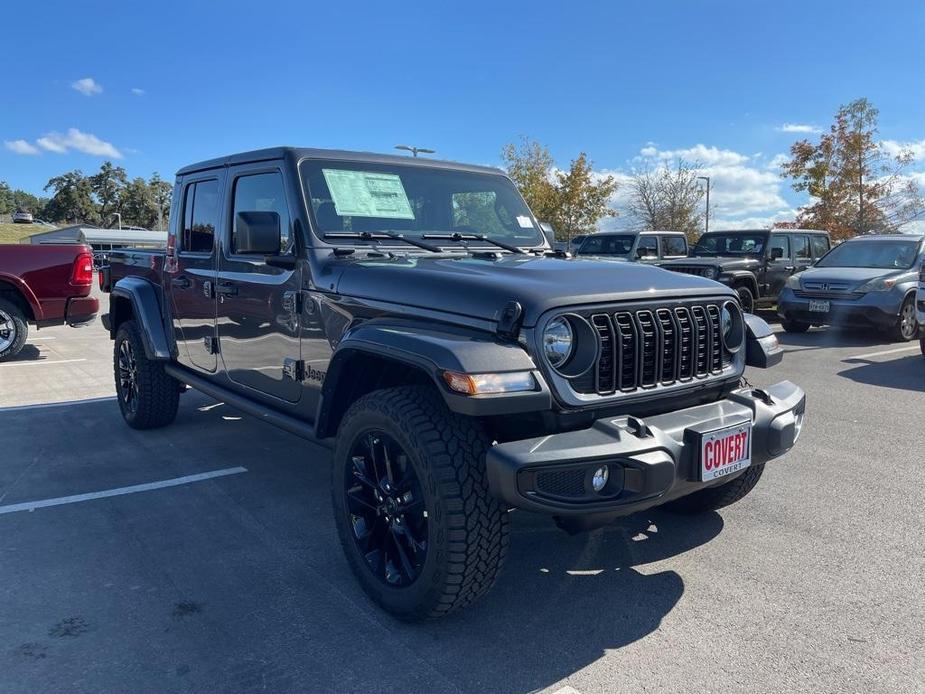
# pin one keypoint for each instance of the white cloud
(138, 92)
(80, 141)
(708, 156)
(894, 148)
(20, 147)
(798, 128)
(777, 161)
(87, 86)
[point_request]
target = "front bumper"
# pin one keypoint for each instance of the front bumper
(875, 309)
(651, 461)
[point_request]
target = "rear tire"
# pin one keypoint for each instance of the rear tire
(714, 498)
(746, 299)
(906, 328)
(13, 330)
(793, 326)
(451, 536)
(922, 345)
(148, 397)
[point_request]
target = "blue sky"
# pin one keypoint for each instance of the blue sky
(716, 81)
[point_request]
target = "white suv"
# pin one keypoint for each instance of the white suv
(920, 306)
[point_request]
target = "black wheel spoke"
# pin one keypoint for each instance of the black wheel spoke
(402, 554)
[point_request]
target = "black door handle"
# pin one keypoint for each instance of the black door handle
(182, 282)
(226, 289)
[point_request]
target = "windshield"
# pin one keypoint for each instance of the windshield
(357, 197)
(730, 244)
(607, 245)
(893, 255)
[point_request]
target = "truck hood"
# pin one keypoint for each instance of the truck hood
(724, 262)
(481, 288)
(845, 278)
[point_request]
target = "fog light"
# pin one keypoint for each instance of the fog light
(599, 481)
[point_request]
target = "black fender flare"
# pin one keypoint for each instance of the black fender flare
(432, 350)
(144, 298)
(733, 277)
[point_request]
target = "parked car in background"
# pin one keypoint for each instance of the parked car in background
(575, 243)
(411, 310)
(643, 246)
(756, 263)
(22, 217)
(920, 305)
(43, 285)
(867, 281)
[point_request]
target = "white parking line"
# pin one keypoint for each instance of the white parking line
(886, 351)
(119, 491)
(41, 338)
(10, 365)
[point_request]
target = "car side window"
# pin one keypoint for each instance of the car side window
(200, 216)
(647, 247)
(782, 242)
(801, 248)
(820, 246)
(673, 246)
(263, 192)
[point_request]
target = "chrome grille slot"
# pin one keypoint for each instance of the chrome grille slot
(649, 346)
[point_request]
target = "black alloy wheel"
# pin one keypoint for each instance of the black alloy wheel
(128, 376)
(385, 509)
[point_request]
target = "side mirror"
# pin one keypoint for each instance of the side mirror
(257, 233)
(777, 253)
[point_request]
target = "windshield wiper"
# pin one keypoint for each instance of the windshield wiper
(376, 235)
(456, 236)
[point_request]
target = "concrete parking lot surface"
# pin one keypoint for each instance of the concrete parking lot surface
(236, 583)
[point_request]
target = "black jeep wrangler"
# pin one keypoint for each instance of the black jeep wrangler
(412, 311)
(754, 263)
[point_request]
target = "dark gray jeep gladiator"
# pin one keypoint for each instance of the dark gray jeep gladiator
(412, 311)
(756, 263)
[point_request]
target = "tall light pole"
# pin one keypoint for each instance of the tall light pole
(707, 222)
(415, 150)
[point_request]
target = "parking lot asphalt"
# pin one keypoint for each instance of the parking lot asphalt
(236, 583)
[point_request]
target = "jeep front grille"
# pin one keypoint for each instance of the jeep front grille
(691, 270)
(655, 346)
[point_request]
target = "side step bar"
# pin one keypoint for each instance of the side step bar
(265, 414)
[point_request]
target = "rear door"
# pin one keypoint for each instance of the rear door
(802, 254)
(259, 315)
(777, 270)
(646, 249)
(190, 281)
(820, 245)
(673, 246)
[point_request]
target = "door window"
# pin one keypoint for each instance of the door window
(261, 193)
(200, 216)
(647, 247)
(673, 246)
(820, 246)
(801, 248)
(782, 242)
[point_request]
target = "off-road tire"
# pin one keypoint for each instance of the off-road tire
(714, 498)
(897, 331)
(793, 326)
(468, 529)
(20, 329)
(922, 343)
(746, 298)
(158, 393)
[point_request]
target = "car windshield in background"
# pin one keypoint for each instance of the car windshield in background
(892, 255)
(607, 245)
(356, 197)
(730, 244)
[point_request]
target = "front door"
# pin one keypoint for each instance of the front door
(258, 308)
(777, 269)
(190, 281)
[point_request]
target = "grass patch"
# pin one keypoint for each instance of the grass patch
(15, 233)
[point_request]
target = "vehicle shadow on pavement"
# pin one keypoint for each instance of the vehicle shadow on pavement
(28, 353)
(562, 601)
(829, 337)
(903, 373)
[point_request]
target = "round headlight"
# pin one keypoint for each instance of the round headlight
(732, 326)
(558, 341)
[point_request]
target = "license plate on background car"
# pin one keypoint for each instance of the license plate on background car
(819, 306)
(725, 451)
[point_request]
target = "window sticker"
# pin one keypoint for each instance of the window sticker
(367, 194)
(524, 221)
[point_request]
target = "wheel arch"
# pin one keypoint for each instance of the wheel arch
(134, 298)
(18, 292)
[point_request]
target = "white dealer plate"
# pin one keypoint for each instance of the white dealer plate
(725, 451)
(819, 306)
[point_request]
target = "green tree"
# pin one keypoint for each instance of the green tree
(108, 187)
(6, 198)
(72, 200)
(162, 194)
(854, 183)
(137, 204)
(573, 201)
(668, 197)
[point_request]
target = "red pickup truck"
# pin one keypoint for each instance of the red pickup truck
(43, 285)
